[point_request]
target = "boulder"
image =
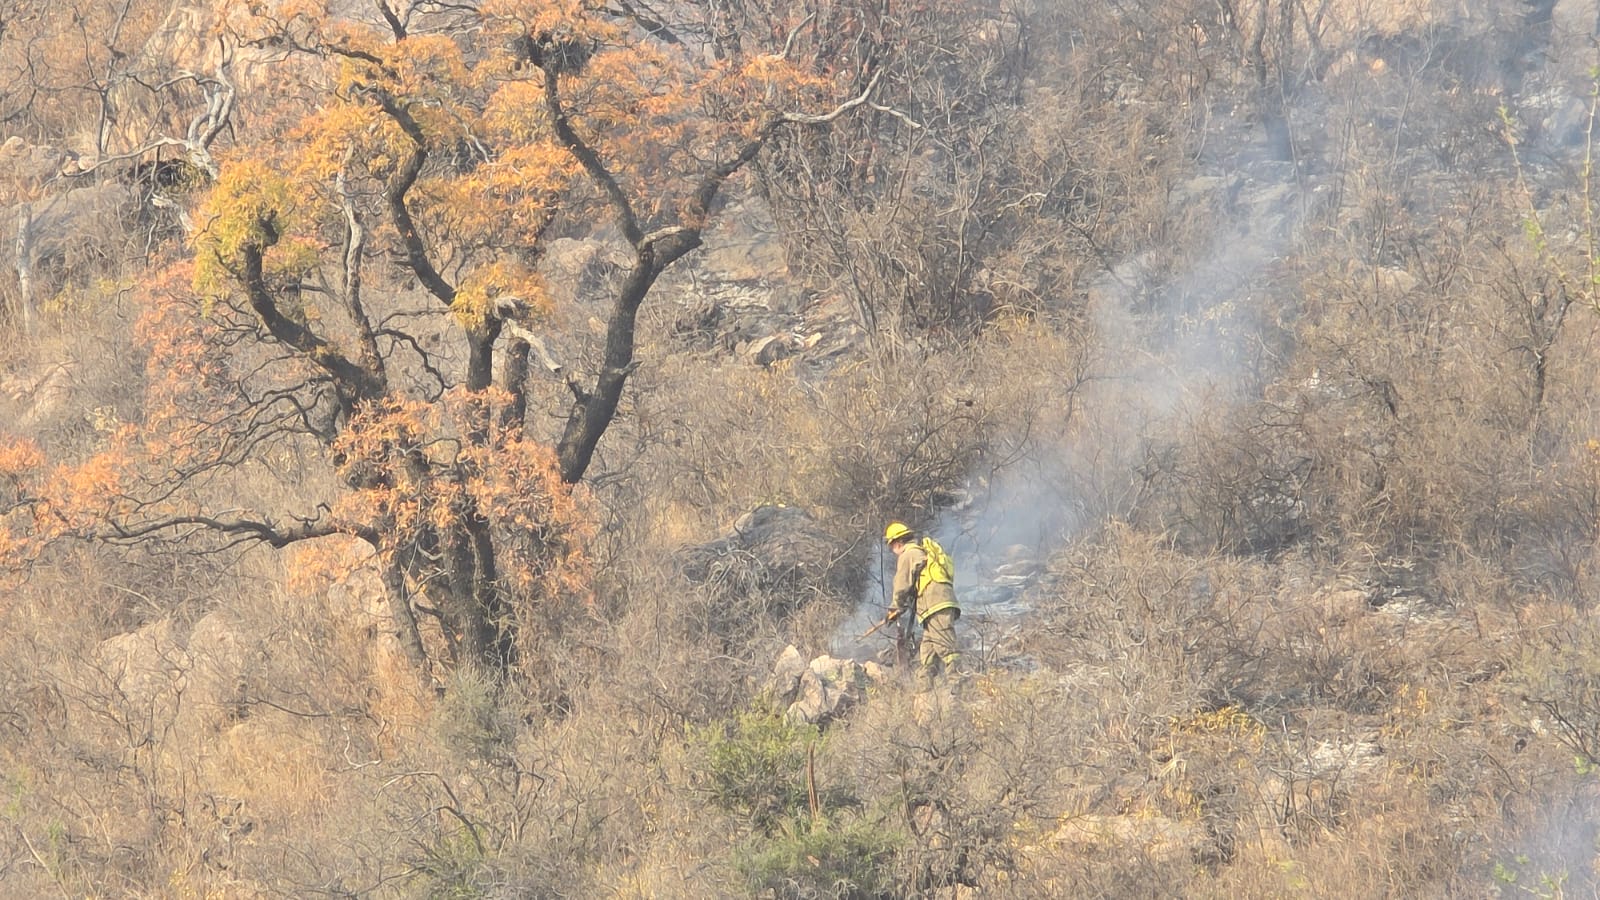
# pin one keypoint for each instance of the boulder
(145, 665)
(221, 653)
(821, 690)
(771, 549)
(770, 349)
(29, 164)
(579, 270)
(743, 245)
(828, 688)
(784, 683)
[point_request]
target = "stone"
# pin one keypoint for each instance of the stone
(784, 683)
(768, 350)
(829, 687)
(145, 664)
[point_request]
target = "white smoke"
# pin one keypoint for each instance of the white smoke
(1170, 351)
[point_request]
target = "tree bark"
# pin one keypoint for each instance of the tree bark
(405, 621)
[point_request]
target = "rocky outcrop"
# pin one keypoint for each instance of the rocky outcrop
(821, 690)
(144, 665)
(31, 165)
(51, 224)
(737, 297)
(775, 556)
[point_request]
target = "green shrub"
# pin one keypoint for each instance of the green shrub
(472, 719)
(451, 867)
(805, 859)
(755, 765)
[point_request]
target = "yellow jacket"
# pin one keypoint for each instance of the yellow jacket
(931, 594)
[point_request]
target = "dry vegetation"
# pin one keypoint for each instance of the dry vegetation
(1269, 328)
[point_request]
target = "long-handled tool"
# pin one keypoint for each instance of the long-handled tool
(893, 614)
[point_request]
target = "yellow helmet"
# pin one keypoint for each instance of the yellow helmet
(895, 532)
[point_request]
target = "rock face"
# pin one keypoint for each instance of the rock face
(823, 689)
(775, 557)
(144, 664)
(50, 225)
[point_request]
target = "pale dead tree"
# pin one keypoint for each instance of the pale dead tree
(107, 74)
(195, 145)
(23, 304)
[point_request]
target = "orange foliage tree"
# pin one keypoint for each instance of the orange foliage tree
(362, 287)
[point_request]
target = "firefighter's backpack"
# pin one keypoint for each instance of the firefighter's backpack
(939, 567)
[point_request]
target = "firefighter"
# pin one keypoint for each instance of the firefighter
(924, 582)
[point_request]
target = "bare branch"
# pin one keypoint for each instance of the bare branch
(788, 43)
(627, 220)
(355, 247)
(520, 333)
(248, 529)
(203, 131)
(425, 359)
(651, 23)
(860, 100)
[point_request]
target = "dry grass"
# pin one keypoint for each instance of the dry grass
(1329, 635)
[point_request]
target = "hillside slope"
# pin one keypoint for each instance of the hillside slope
(1241, 354)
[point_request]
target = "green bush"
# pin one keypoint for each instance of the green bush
(451, 867)
(755, 765)
(472, 719)
(806, 859)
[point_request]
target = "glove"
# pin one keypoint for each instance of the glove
(895, 613)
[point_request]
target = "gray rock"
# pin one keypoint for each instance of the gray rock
(829, 688)
(21, 161)
(784, 684)
(770, 349)
(145, 665)
(770, 547)
(743, 244)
